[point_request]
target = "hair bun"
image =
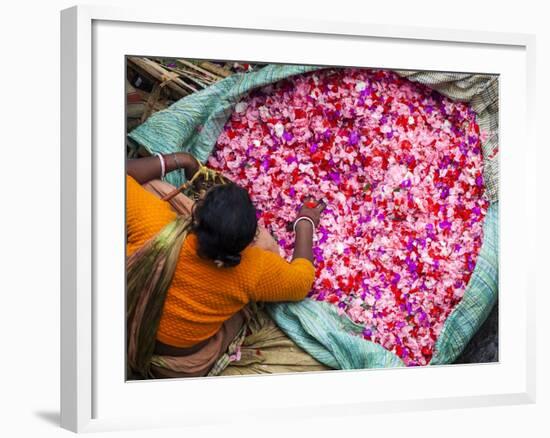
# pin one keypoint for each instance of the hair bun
(225, 224)
(228, 260)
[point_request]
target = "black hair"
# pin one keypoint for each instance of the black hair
(225, 223)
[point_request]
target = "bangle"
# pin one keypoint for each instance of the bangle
(175, 155)
(303, 218)
(179, 166)
(162, 166)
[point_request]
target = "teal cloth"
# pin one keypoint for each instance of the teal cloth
(479, 298)
(194, 123)
(332, 339)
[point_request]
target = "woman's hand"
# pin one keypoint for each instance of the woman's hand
(304, 231)
(311, 209)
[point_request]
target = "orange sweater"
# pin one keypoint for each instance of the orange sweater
(203, 296)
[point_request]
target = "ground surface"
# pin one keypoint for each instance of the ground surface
(484, 345)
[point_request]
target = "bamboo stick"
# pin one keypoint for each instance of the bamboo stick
(193, 73)
(196, 67)
(195, 79)
(168, 76)
(192, 77)
(220, 71)
(151, 102)
(160, 104)
(160, 74)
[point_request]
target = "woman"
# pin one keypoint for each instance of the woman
(220, 267)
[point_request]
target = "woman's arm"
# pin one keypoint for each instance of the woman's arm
(146, 169)
(283, 281)
(304, 229)
(280, 280)
(304, 241)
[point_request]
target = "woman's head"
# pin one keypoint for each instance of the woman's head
(225, 223)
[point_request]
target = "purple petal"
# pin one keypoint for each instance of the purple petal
(287, 136)
(396, 278)
(353, 138)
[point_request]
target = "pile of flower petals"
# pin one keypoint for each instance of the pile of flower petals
(400, 168)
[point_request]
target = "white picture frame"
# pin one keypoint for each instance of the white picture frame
(93, 397)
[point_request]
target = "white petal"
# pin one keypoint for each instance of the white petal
(241, 107)
(279, 129)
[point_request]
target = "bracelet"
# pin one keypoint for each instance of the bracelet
(175, 155)
(303, 218)
(162, 166)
